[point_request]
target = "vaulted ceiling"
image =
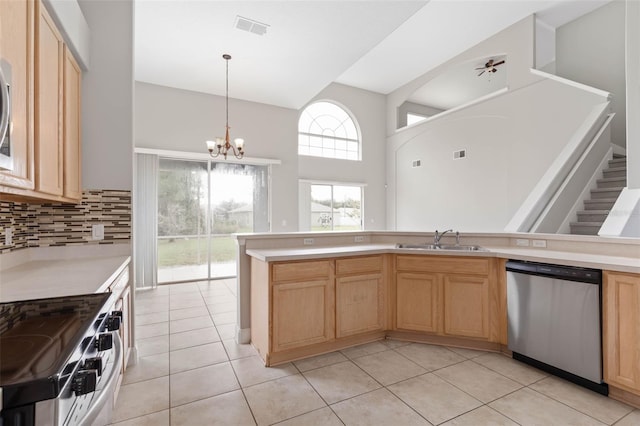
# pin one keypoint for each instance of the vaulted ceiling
(374, 45)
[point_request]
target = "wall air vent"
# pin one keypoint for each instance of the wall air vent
(250, 25)
(458, 155)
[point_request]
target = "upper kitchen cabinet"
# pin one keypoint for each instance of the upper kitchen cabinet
(49, 109)
(16, 60)
(72, 130)
(46, 139)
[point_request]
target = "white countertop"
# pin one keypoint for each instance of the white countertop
(597, 261)
(40, 278)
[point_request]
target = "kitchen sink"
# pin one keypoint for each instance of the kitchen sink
(440, 247)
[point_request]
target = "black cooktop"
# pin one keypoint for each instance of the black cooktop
(38, 337)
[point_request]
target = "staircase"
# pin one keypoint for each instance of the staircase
(596, 209)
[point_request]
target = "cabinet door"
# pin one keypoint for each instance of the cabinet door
(621, 324)
(359, 304)
(72, 132)
(417, 302)
(48, 124)
(303, 314)
(466, 306)
(16, 45)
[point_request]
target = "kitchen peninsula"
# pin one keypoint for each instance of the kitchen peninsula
(349, 288)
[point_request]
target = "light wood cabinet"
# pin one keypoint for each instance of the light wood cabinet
(292, 306)
(451, 296)
(418, 302)
(621, 331)
(302, 313)
(305, 308)
(360, 295)
(16, 45)
(45, 96)
(72, 131)
(466, 306)
(48, 90)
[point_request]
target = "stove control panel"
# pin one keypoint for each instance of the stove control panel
(114, 320)
(93, 364)
(84, 382)
(104, 341)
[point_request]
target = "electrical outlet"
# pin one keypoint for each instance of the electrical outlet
(522, 242)
(359, 239)
(308, 241)
(97, 231)
(540, 243)
(8, 236)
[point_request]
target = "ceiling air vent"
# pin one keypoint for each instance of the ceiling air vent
(250, 25)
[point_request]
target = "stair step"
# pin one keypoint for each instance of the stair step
(599, 204)
(618, 162)
(614, 172)
(585, 228)
(612, 182)
(605, 193)
(593, 215)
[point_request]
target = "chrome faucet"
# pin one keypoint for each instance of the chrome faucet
(437, 236)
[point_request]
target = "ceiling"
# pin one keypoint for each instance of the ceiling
(374, 45)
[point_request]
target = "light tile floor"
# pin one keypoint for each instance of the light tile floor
(191, 372)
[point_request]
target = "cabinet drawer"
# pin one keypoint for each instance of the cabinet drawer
(356, 265)
(444, 264)
(291, 271)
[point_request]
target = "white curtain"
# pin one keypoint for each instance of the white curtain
(145, 220)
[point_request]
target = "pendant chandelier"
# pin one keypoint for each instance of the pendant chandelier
(222, 146)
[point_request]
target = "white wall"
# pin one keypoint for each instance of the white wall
(545, 59)
(633, 93)
(368, 108)
(181, 120)
(517, 43)
(510, 140)
(591, 50)
(107, 96)
(175, 119)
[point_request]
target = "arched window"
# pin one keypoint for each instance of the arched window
(327, 130)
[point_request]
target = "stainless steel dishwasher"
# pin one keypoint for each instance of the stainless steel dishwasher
(554, 320)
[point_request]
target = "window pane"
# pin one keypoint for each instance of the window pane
(182, 220)
(350, 129)
(335, 207)
(321, 211)
(330, 121)
(347, 203)
(198, 211)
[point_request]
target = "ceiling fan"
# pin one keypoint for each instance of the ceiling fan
(490, 66)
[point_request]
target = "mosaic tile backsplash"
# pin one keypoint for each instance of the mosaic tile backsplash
(53, 224)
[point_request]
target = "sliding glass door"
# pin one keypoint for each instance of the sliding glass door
(200, 204)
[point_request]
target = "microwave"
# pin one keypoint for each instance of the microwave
(6, 158)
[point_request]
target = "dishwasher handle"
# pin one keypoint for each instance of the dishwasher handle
(563, 272)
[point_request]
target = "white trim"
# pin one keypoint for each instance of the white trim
(243, 335)
(571, 83)
(456, 108)
(203, 156)
(332, 182)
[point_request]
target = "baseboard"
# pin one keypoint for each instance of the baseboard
(243, 335)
